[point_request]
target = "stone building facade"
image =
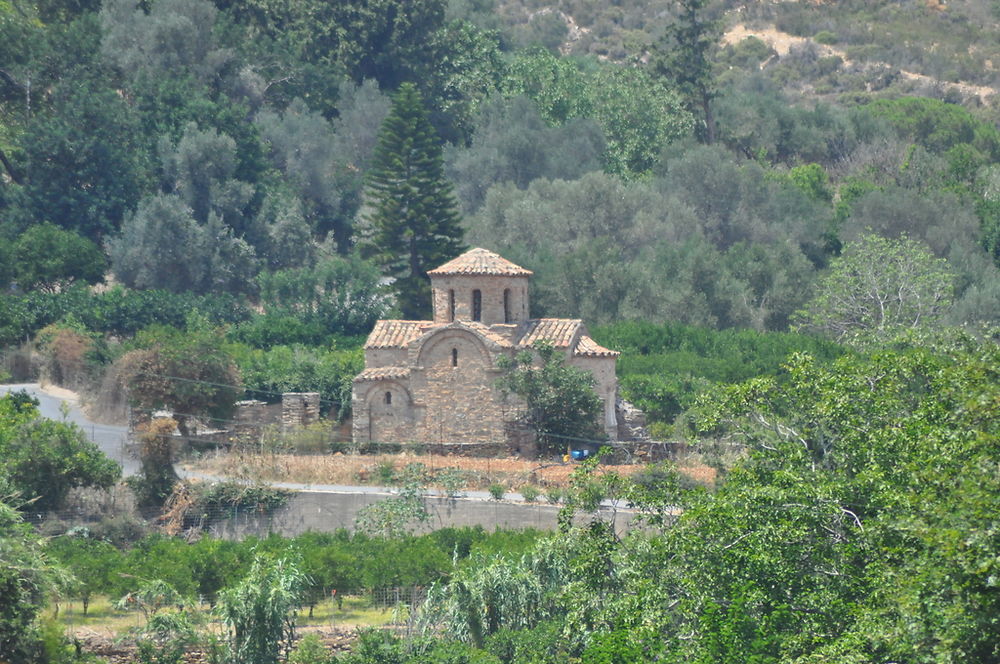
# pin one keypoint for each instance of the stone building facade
(435, 381)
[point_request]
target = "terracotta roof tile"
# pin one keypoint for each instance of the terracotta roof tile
(382, 373)
(590, 348)
(481, 262)
(396, 333)
(492, 335)
(559, 331)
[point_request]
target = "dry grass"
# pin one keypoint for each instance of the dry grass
(445, 472)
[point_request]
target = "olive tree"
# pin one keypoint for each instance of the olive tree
(879, 287)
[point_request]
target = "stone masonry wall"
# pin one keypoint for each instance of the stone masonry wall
(376, 358)
(606, 386)
(459, 401)
(491, 288)
(380, 419)
(299, 409)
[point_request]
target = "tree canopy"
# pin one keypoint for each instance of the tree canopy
(560, 404)
(44, 459)
(878, 288)
(413, 220)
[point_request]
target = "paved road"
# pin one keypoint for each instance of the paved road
(111, 439)
(350, 488)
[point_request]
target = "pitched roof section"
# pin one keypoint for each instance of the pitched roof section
(480, 262)
(396, 333)
(382, 373)
(590, 348)
(492, 335)
(559, 331)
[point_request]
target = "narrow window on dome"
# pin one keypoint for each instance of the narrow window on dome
(506, 305)
(388, 398)
(451, 305)
(477, 305)
(454, 357)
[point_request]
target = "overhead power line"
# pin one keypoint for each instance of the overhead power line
(240, 388)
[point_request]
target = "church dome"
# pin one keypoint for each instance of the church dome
(480, 262)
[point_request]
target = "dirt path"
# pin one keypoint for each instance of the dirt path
(782, 43)
(59, 392)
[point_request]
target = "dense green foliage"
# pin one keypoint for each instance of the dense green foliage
(214, 156)
(560, 404)
(240, 140)
(26, 577)
(348, 563)
(664, 368)
(259, 612)
(878, 288)
(117, 312)
(187, 372)
(857, 522)
(43, 459)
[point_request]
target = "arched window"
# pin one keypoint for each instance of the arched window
(451, 305)
(506, 305)
(477, 305)
(388, 398)
(454, 357)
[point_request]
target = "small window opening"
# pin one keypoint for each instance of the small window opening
(451, 305)
(506, 305)
(388, 398)
(477, 305)
(454, 357)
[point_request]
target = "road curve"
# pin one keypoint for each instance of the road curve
(111, 439)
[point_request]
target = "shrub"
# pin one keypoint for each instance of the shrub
(309, 650)
(530, 493)
(555, 495)
(825, 37)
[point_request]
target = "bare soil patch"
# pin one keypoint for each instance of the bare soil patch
(337, 640)
(782, 43)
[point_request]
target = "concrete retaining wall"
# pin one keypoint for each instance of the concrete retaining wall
(327, 512)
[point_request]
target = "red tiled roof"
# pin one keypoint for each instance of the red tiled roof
(484, 330)
(559, 331)
(590, 348)
(382, 373)
(396, 333)
(481, 262)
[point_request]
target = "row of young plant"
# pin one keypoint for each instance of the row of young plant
(336, 564)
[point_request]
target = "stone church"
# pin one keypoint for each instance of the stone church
(434, 381)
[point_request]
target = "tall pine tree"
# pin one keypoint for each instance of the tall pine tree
(684, 57)
(412, 215)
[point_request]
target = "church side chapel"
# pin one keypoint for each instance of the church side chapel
(434, 381)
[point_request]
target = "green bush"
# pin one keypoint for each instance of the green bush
(530, 493)
(825, 37)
